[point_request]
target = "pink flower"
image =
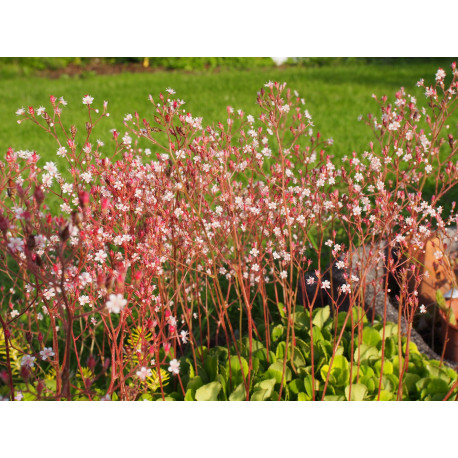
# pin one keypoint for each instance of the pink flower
(46, 353)
(28, 361)
(143, 373)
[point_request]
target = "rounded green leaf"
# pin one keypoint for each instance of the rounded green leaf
(357, 393)
(320, 316)
(371, 337)
(275, 371)
(208, 392)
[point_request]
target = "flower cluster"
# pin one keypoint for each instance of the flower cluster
(155, 251)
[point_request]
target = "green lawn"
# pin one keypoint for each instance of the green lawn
(335, 97)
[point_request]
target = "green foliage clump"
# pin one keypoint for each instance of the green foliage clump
(353, 373)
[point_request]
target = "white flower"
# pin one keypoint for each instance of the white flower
(174, 366)
(326, 284)
(65, 208)
(85, 278)
(67, 188)
(46, 353)
(16, 244)
(143, 373)
(14, 313)
(62, 151)
(87, 100)
(340, 264)
(28, 361)
(422, 308)
(100, 256)
(51, 168)
(20, 112)
(49, 293)
(170, 90)
(116, 303)
(440, 75)
(283, 274)
(346, 288)
(83, 300)
(86, 176)
(184, 336)
(310, 280)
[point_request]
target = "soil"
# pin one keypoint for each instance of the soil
(98, 68)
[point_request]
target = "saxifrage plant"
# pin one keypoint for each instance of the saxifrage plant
(178, 237)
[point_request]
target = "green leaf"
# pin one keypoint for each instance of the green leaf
(236, 369)
(317, 335)
(202, 351)
(281, 350)
(387, 367)
(303, 397)
(412, 348)
(386, 396)
(410, 382)
(208, 392)
(366, 370)
(434, 386)
(166, 398)
(321, 315)
(308, 385)
(280, 307)
(390, 347)
(277, 332)
(366, 353)
(391, 329)
(190, 395)
(370, 382)
(334, 397)
(195, 383)
(275, 371)
(259, 395)
(211, 366)
(296, 386)
(266, 387)
(371, 337)
(221, 379)
(301, 321)
(340, 371)
(261, 355)
(239, 394)
(358, 392)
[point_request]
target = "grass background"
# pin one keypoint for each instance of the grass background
(335, 96)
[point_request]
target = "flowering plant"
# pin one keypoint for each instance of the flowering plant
(180, 237)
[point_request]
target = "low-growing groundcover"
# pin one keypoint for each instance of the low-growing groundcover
(221, 376)
(170, 262)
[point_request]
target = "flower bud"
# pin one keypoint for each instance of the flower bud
(38, 195)
(84, 199)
